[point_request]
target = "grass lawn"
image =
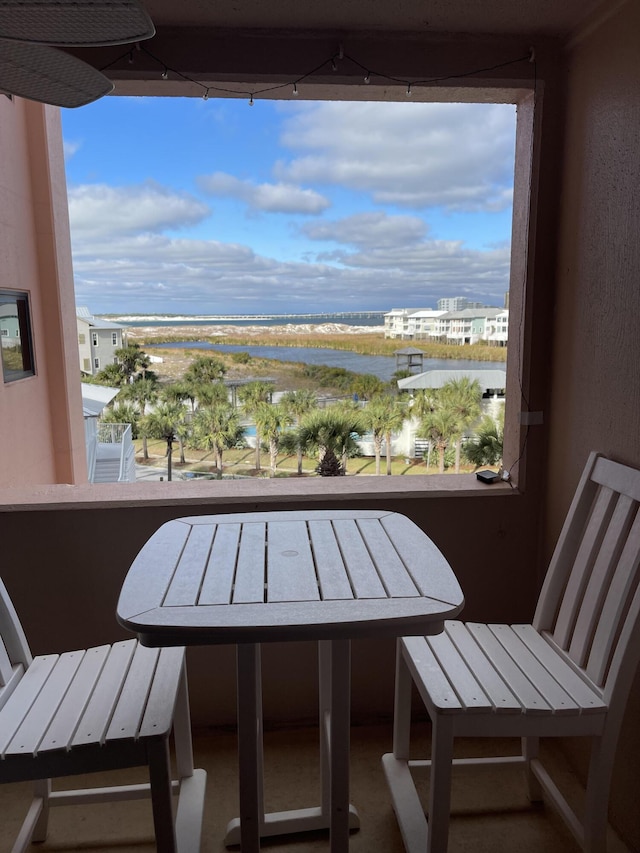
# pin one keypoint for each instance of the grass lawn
(242, 462)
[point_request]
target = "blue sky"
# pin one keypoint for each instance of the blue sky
(186, 206)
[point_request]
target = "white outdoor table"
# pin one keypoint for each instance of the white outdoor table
(325, 575)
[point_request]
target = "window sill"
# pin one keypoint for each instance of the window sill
(375, 490)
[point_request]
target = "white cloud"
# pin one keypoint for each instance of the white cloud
(70, 148)
(456, 156)
(272, 198)
(99, 209)
(373, 229)
(153, 272)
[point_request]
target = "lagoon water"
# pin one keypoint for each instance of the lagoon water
(382, 366)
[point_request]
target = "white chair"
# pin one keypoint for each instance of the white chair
(568, 674)
(85, 711)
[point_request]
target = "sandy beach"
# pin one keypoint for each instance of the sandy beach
(191, 332)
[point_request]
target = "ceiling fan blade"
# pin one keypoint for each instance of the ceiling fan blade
(75, 23)
(50, 76)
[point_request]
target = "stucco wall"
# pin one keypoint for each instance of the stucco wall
(41, 426)
(596, 378)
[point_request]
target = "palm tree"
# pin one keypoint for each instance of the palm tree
(383, 416)
(463, 397)
(131, 359)
(205, 368)
(330, 431)
(163, 422)
(485, 448)
(367, 385)
(252, 395)
(110, 375)
(217, 428)
(180, 392)
(143, 393)
(209, 394)
(121, 413)
(298, 404)
(439, 426)
(270, 420)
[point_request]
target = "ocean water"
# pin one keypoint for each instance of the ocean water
(357, 318)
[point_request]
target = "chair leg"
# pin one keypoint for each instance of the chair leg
(182, 729)
(161, 795)
(530, 750)
(402, 707)
(42, 789)
(596, 806)
(440, 784)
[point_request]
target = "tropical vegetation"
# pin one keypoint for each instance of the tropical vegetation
(196, 412)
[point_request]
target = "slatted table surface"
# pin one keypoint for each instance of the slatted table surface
(257, 577)
(251, 578)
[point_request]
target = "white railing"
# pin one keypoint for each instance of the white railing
(118, 436)
(112, 433)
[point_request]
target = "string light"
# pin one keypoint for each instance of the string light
(330, 62)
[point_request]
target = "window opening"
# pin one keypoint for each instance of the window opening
(507, 323)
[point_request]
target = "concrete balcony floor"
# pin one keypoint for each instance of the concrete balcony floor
(491, 811)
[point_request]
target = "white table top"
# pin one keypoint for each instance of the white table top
(301, 575)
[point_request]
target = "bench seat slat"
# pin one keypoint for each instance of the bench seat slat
(16, 710)
(158, 714)
(586, 698)
(97, 716)
(427, 671)
(558, 699)
(60, 733)
(127, 716)
(465, 684)
(531, 700)
(502, 698)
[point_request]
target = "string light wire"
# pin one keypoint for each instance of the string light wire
(331, 63)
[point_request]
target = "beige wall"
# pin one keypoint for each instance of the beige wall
(595, 402)
(41, 428)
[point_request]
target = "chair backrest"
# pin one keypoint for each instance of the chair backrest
(590, 600)
(15, 655)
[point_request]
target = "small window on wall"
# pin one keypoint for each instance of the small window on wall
(82, 339)
(94, 338)
(114, 339)
(17, 345)
(96, 363)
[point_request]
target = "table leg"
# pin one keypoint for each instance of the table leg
(334, 813)
(250, 757)
(340, 704)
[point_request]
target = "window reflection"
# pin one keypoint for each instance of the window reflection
(15, 336)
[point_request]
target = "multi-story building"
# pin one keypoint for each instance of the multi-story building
(98, 341)
(411, 323)
(498, 330)
(469, 326)
(457, 303)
